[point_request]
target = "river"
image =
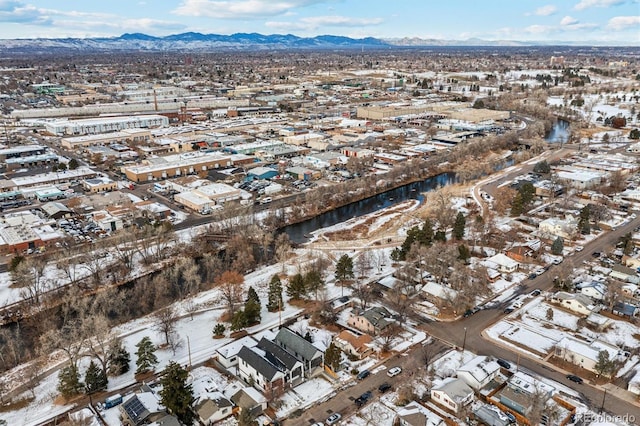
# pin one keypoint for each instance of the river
(298, 231)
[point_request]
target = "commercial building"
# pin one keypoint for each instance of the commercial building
(122, 137)
(176, 165)
(99, 184)
(92, 126)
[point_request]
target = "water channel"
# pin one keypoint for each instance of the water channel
(298, 231)
(560, 132)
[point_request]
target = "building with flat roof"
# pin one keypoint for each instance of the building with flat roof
(91, 126)
(176, 165)
(99, 184)
(124, 136)
(21, 151)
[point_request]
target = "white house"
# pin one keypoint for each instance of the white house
(594, 290)
(227, 355)
(583, 354)
(566, 228)
(503, 263)
(478, 372)
(213, 408)
(578, 303)
(452, 394)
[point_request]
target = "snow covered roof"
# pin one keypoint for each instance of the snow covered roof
(503, 260)
(414, 413)
(232, 349)
(586, 349)
(480, 368)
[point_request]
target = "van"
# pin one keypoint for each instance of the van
(112, 401)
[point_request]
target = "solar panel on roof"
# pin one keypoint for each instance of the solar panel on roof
(134, 408)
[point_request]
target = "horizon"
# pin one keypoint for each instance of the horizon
(602, 22)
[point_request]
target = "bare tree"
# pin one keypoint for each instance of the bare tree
(165, 323)
(231, 284)
(30, 278)
(282, 249)
(100, 337)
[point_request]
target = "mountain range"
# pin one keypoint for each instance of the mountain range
(192, 41)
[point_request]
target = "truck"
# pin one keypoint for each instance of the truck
(112, 401)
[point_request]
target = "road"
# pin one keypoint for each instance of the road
(343, 401)
(472, 327)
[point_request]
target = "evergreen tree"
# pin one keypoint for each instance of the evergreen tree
(458, 226)
(118, 359)
(557, 246)
(308, 337)
(69, 381)
(584, 226)
(296, 288)
(542, 167)
(550, 314)
(94, 379)
(463, 253)
(313, 282)
(73, 164)
(275, 294)
(252, 295)
(517, 205)
(219, 330)
(332, 357)
(604, 365)
(252, 309)
(527, 191)
(146, 354)
(176, 395)
(440, 236)
(344, 268)
(245, 418)
(426, 236)
(239, 320)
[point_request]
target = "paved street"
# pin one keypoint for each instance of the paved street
(343, 402)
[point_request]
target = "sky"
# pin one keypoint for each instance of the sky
(602, 21)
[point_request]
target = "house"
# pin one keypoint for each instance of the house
(521, 391)
(578, 303)
(624, 274)
(227, 355)
(141, 408)
(594, 290)
(503, 263)
(491, 415)
(625, 309)
(212, 409)
(555, 227)
(452, 394)
(582, 353)
(304, 351)
(371, 321)
(358, 346)
(256, 370)
(478, 372)
(286, 362)
(246, 399)
(414, 414)
(167, 420)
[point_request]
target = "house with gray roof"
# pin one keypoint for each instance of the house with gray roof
(452, 394)
(256, 370)
(286, 362)
(371, 321)
(304, 351)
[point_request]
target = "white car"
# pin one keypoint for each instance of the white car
(394, 371)
(333, 418)
(579, 248)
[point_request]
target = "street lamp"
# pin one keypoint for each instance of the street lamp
(464, 341)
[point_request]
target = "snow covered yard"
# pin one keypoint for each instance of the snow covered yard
(311, 392)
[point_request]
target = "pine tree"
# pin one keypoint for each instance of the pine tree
(118, 359)
(426, 236)
(332, 357)
(458, 226)
(344, 268)
(252, 310)
(219, 330)
(557, 246)
(440, 236)
(274, 302)
(463, 253)
(94, 379)
(146, 354)
(239, 320)
(69, 381)
(252, 295)
(245, 418)
(550, 314)
(176, 395)
(583, 222)
(313, 282)
(296, 288)
(308, 337)
(517, 205)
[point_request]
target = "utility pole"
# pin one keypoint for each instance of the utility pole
(464, 341)
(603, 398)
(189, 349)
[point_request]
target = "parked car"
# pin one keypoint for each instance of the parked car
(394, 371)
(579, 248)
(574, 378)
(535, 292)
(362, 399)
(504, 364)
(332, 419)
(532, 275)
(384, 387)
(509, 309)
(363, 374)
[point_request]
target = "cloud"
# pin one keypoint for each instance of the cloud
(314, 22)
(538, 29)
(240, 9)
(568, 20)
(586, 4)
(20, 13)
(618, 23)
(546, 10)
